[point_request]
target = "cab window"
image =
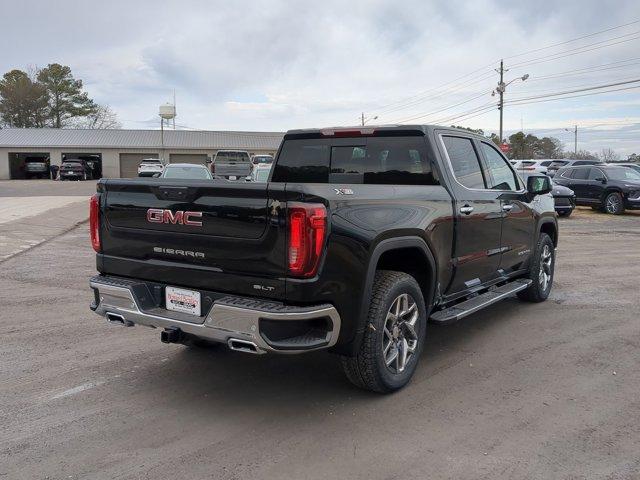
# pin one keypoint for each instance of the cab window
(498, 172)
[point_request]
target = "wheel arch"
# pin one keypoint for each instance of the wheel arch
(550, 227)
(398, 254)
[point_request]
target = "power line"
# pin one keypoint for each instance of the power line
(573, 40)
(417, 98)
(442, 109)
(594, 68)
(576, 51)
(575, 96)
(595, 87)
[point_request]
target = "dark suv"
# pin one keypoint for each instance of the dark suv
(602, 187)
(558, 164)
(75, 169)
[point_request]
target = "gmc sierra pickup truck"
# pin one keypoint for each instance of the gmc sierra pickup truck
(359, 237)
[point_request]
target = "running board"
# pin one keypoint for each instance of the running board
(461, 310)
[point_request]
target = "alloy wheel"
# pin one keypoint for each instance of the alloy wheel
(546, 259)
(400, 339)
(612, 204)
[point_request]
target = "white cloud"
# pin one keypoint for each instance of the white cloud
(273, 65)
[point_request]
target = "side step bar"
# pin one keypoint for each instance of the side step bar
(461, 310)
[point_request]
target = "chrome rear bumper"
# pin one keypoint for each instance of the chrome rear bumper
(229, 319)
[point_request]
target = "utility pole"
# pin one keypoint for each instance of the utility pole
(501, 89)
(362, 119)
(575, 138)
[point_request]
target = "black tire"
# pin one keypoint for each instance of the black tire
(613, 204)
(596, 208)
(565, 213)
(368, 368)
(539, 291)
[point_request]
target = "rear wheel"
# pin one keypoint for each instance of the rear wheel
(565, 213)
(614, 204)
(541, 272)
(393, 337)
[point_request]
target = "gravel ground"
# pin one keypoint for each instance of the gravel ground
(516, 391)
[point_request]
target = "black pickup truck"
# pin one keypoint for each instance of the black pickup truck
(359, 237)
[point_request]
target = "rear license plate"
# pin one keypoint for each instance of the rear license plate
(181, 300)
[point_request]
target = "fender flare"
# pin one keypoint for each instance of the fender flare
(383, 246)
(550, 221)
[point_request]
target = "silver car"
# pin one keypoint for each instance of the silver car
(232, 164)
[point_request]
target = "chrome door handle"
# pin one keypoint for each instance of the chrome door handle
(507, 208)
(467, 209)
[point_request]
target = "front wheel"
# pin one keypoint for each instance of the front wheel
(541, 272)
(394, 335)
(614, 203)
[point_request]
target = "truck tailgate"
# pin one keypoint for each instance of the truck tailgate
(219, 236)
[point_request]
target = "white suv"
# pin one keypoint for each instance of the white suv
(149, 167)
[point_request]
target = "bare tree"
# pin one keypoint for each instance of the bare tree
(101, 118)
(609, 155)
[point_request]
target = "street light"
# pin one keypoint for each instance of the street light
(364, 120)
(501, 89)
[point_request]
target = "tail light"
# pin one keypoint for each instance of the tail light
(94, 221)
(307, 230)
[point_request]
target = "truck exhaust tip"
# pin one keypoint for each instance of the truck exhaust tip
(243, 346)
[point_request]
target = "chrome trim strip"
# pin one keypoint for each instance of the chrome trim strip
(222, 322)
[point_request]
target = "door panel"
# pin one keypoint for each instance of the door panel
(478, 214)
(517, 215)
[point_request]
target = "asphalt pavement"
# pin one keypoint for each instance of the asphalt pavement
(518, 390)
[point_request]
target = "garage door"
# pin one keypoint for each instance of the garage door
(129, 163)
(199, 158)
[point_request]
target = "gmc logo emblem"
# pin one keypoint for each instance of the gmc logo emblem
(158, 215)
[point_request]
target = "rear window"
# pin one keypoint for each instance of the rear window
(197, 173)
(372, 160)
(151, 160)
(527, 164)
(557, 164)
(232, 156)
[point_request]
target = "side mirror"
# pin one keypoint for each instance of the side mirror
(538, 184)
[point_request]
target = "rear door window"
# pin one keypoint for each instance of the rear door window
(464, 161)
(580, 173)
(304, 161)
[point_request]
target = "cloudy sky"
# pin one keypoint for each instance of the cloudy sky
(277, 64)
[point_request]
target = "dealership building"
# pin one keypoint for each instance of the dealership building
(117, 153)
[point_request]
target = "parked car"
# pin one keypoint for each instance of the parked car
(360, 236)
(186, 171)
(231, 164)
(556, 164)
(634, 166)
(260, 172)
(603, 187)
(36, 167)
(75, 169)
(564, 199)
(535, 166)
(149, 167)
(261, 160)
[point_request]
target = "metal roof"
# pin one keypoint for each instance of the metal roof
(173, 139)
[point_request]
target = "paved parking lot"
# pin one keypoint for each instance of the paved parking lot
(516, 391)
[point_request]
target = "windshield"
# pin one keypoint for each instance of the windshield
(623, 174)
(557, 164)
(193, 173)
(262, 159)
(154, 162)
